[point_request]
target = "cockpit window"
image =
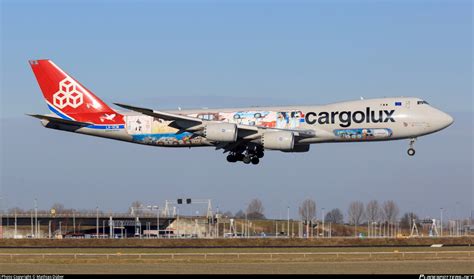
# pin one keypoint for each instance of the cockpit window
(422, 102)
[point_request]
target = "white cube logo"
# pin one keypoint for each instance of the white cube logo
(67, 95)
(75, 99)
(60, 99)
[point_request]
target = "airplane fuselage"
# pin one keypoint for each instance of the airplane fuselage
(351, 121)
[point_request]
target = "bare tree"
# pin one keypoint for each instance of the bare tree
(391, 211)
(356, 212)
(255, 209)
(307, 210)
(407, 220)
(334, 216)
(58, 207)
(136, 207)
(228, 214)
(16, 210)
(240, 214)
(372, 211)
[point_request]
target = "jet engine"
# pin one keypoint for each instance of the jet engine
(222, 132)
(281, 140)
(298, 149)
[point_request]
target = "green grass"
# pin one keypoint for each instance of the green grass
(117, 257)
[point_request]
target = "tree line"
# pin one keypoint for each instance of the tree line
(358, 213)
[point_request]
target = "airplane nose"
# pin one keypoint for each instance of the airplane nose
(445, 120)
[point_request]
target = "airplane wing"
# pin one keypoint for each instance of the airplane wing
(161, 114)
(189, 123)
(181, 121)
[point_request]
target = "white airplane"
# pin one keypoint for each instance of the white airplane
(243, 133)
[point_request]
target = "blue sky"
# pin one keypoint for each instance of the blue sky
(166, 54)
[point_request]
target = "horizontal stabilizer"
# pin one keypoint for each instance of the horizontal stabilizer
(61, 120)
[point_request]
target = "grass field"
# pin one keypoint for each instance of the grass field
(368, 267)
(447, 260)
(224, 256)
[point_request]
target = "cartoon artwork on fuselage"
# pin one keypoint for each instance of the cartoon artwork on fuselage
(143, 124)
(149, 130)
(153, 131)
(289, 119)
(171, 139)
(269, 119)
(363, 133)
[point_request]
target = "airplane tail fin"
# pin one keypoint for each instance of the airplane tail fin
(69, 99)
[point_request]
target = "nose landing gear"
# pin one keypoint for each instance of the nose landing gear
(411, 150)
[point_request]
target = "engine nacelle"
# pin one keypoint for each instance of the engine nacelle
(281, 140)
(298, 149)
(223, 132)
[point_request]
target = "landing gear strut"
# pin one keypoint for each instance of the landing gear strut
(247, 159)
(254, 154)
(411, 150)
(251, 158)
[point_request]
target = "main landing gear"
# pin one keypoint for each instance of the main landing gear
(411, 150)
(249, 155)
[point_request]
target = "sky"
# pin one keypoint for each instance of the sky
(165, 54)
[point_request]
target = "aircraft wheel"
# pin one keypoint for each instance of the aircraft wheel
(255, 160)
(246, 160)
(260, 154)
(231, 159)
(411, 151)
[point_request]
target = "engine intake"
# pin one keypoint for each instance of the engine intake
(223, 132)
(281, 140)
